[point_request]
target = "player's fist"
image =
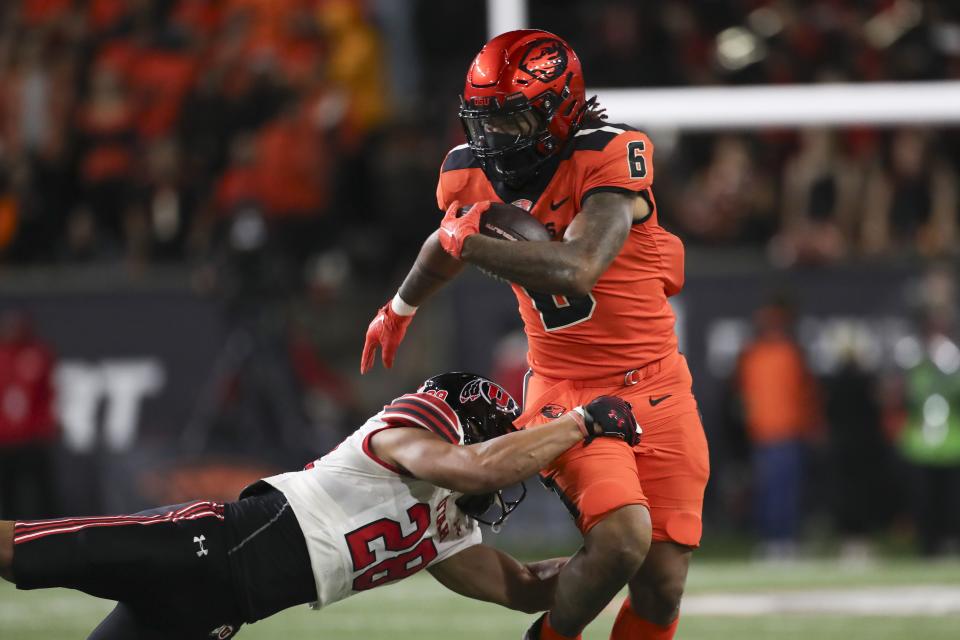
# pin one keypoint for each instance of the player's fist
(611, 417)
(457, 226)
(386, 331)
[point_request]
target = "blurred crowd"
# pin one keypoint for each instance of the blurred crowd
(818, 196)
(136, 130)
(802, 195)
(865, 449)
(156, 131)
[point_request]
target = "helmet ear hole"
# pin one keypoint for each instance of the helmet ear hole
(472, 433)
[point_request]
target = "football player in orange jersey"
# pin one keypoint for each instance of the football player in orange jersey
(595, 311)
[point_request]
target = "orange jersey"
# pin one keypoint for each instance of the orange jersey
(626, 322)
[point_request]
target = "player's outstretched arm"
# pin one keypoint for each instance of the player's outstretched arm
(481, 467)
(433, 268)
(484, 573)
(573, 266)
(506, 460)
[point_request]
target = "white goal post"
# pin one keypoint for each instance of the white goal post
(753, 107)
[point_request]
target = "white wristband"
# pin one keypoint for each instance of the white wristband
(581, 418)
(400, 307)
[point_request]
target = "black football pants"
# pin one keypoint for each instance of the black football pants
(197, 570)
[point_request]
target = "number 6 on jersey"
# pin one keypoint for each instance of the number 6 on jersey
(559, 312)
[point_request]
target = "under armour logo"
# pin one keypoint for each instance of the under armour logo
(222, 632)
(199, 540)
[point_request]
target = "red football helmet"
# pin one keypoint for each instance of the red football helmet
(522, 101)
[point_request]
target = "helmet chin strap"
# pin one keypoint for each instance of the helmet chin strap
(520, 178)
(497, 525)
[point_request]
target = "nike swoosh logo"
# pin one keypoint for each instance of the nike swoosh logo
(655, 401)
(556, 205)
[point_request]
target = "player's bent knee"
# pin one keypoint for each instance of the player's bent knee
(623, 537)
(628, 557)
(658, 603)
(666, 601)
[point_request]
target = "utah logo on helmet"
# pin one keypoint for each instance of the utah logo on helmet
(491, 392)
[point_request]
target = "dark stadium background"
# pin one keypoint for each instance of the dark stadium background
(203, 203)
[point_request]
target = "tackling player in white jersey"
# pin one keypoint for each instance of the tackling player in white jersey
(402, 493)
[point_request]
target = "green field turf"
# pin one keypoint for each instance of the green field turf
(420, 609)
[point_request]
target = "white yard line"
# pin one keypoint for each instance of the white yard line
(928, 600)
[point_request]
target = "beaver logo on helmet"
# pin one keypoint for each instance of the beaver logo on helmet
(545, 59)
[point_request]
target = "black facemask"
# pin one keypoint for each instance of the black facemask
(477, 506)
(507, 143)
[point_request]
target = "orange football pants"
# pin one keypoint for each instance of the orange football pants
(667, 472)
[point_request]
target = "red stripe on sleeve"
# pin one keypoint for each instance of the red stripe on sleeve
(417, 415)
(423, 413)
(444, 408)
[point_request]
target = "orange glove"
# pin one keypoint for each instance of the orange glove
(386, 331)
(455, 228)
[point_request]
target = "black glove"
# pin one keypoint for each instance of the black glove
(611, 417)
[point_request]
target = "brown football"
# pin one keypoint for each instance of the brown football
(507, 222)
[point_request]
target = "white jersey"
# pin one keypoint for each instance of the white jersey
(366, 522)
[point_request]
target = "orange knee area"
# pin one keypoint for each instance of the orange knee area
(597, 479)
(667, 472)
(630, 626)
(601, 498)
(682, 527)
